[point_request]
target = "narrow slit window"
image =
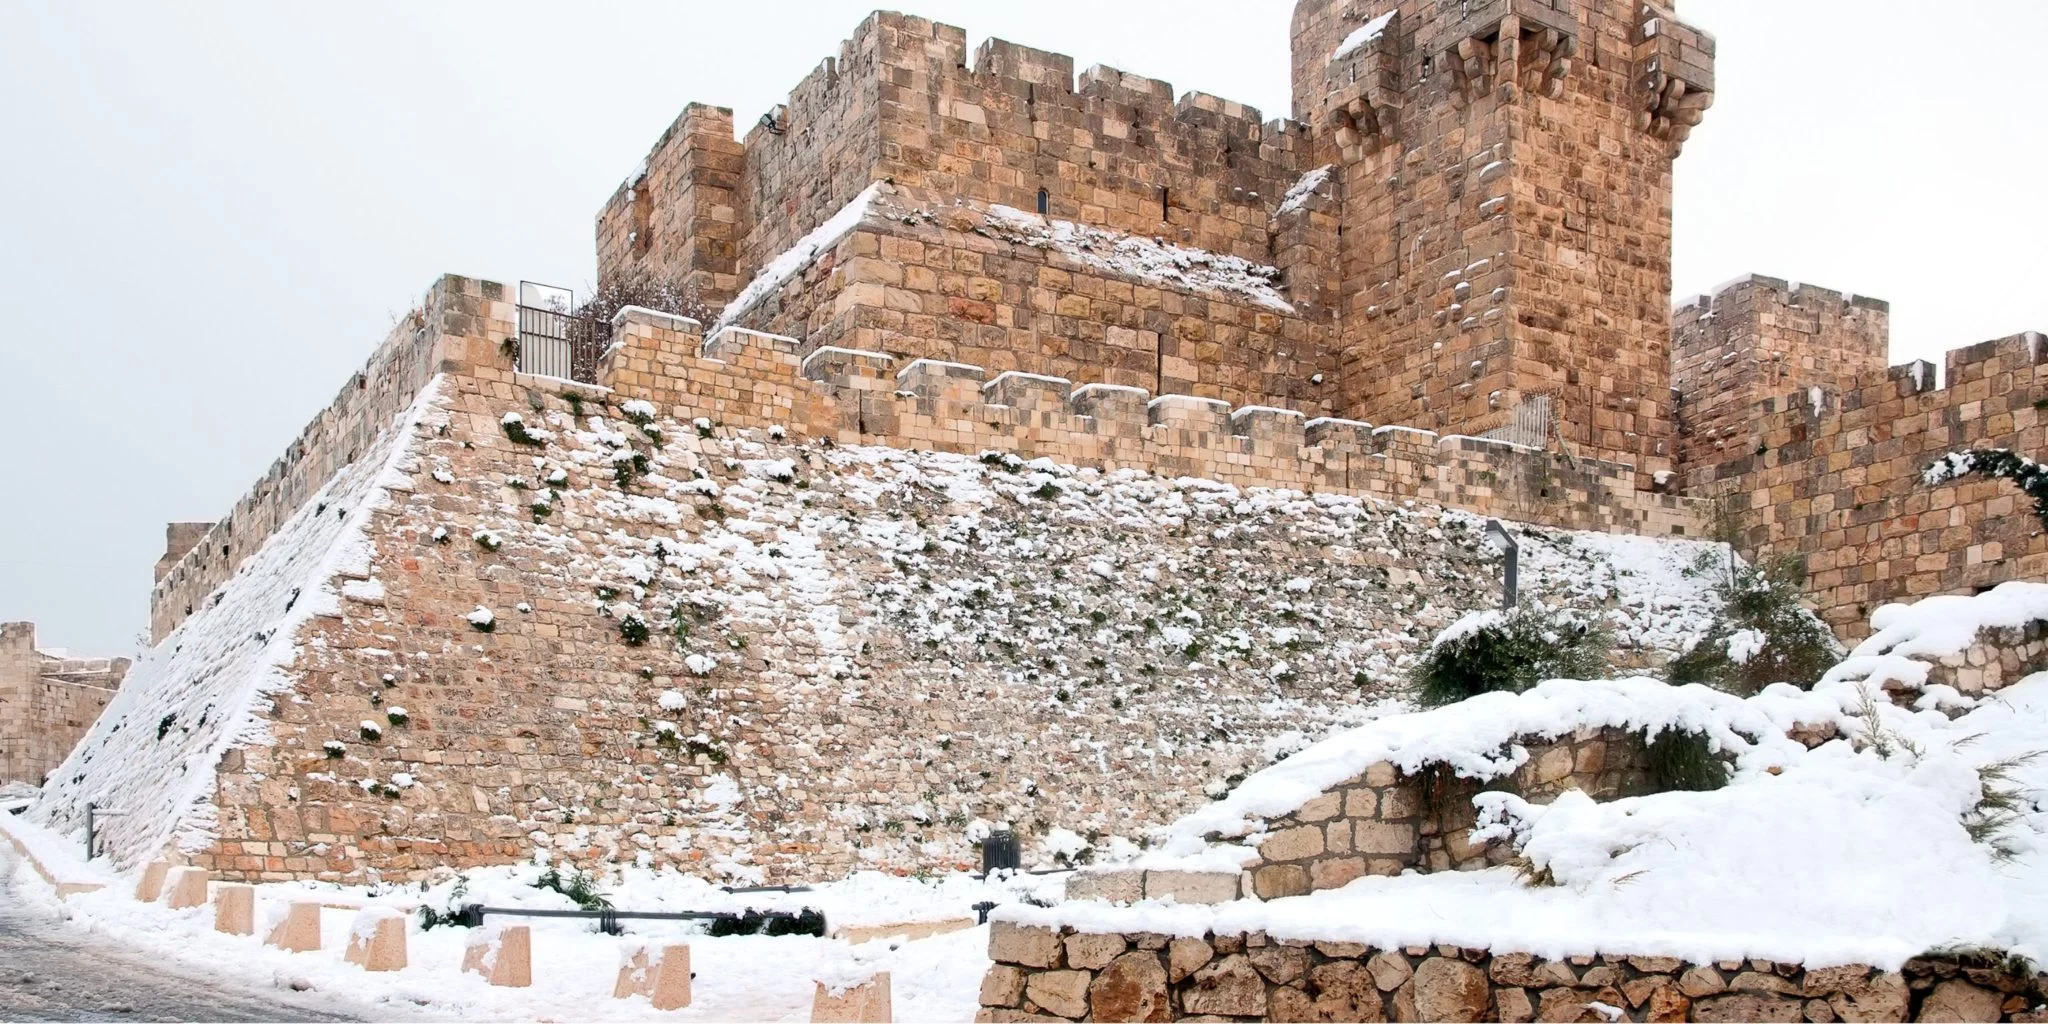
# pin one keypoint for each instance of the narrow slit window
(1044, 203)
(1165, 203)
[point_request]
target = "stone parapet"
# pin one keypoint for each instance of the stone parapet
(1042, 973)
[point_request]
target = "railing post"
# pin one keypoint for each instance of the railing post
(1510, 584)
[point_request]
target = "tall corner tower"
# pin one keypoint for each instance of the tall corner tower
(1506, 254)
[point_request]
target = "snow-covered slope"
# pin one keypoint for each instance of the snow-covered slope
(151, 758)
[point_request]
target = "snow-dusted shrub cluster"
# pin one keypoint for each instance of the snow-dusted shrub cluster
(1485, 652)
(1998, 464)
(1761, 634)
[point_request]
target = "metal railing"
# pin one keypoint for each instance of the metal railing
(553, 340)
(808, 921)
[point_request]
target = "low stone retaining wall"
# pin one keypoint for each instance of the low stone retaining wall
(1040, 974)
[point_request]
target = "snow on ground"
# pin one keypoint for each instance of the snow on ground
(737, 977)
(195, 695)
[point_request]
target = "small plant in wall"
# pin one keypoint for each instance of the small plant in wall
(370, 731)
(559, 478)
(516, 429)
(542, 507)
(399, 717)
(482, 620)
(487, 540)
(440, 535)
(629, 464)
(702, 425)
(334, 749)
(1998, 464)
(633, 629)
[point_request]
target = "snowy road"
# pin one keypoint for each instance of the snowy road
(51, 971)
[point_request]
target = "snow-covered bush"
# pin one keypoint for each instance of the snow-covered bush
(334, 749)
(370, 731)
(516, 429)
(483, 620)
(398, 716)
(487, 540)
(1761, 635)
(1488, 651)
(633, 629)
(1999, 464)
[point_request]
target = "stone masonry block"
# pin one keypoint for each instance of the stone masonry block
(299, 930)
(234, 909)
(376, 942)
(662, 975)
(502, 954)
(150, 884)
(1193, 886)
(865, 1003)
(1116, 885)
(187, 888)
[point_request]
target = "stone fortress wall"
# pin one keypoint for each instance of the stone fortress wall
(1446, 251)
(199, 557)
(1755, 339)
(1834, 472)
(47, 701)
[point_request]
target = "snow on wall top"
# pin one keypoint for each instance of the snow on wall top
(1144, 258)
(797, 257)
(1365, 33)
(154, 752)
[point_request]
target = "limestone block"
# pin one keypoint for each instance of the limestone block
(187, 888)
(1116, 886)
(503, 954)
(1026, 947)
(150, 885)
(1192, 886)
(376, 942)
(1061, 992)
(234, 909)
(865, 1003)
(298, 931)
(1132, 987)
(1091, 952)
(1956, 999)
(662, 976)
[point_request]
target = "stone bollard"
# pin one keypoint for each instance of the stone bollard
(299, 931)
(151, 884)
(234, 909)
(865, 1003)
(376, 942)
(503, 954)
(663, 978)
(187, 888)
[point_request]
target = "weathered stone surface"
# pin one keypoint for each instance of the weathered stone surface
(1230, 987)
(1025, 946)
(1090, 952)
(1878, 997)
(1279, 964)
(1567, 1004)
(1003, 985)
(1390, 970)
(1277, 881)
(1117, 886)
(1958, 1000)
(1192, 886)
(1756, 981)
(1184, 956)
(1513, 1006)
(1131, 988)
(1061, 992)
(1383, 837)
(1667, 1005)
(1322, 808)
(1450, 990)
(1747, 1006)
(1293, 844)
(1335, 872)
(1698, 982)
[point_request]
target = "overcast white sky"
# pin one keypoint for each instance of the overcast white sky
(210, 212)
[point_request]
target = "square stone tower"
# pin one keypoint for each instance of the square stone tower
(1507, 210)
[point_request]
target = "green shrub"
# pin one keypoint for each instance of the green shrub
(1511, 652)
(1762, 634)
(1680, 760)
(579, 887)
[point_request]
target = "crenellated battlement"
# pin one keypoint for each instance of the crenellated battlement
(753, 380)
